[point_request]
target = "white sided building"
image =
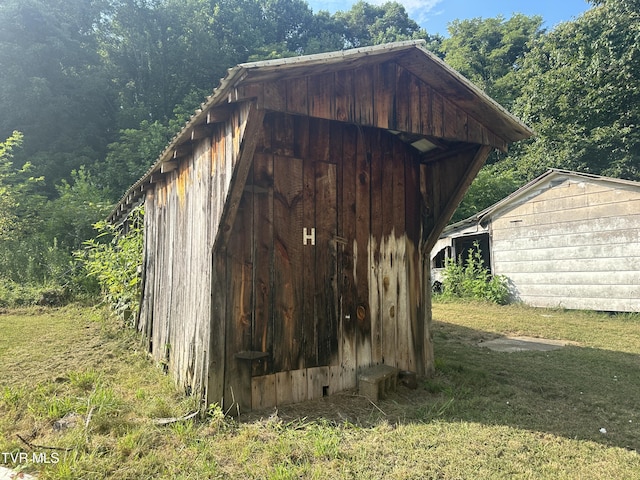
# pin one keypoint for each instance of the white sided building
(566, 239)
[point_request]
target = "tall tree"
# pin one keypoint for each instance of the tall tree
(53, 85)
(287, 22)
(8, 201)
(581, 94)
(325, 33)
(489, 51)
(368, 24)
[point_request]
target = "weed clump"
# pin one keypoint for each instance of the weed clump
(470, 279)
(117, 263)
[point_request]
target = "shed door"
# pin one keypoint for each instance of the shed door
(305, 332)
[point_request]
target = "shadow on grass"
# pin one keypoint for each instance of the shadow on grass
(575, 392)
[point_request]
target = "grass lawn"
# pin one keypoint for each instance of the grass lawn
(569, 413)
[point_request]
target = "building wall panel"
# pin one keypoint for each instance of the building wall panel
(184, 213)
(384, 95)
(348, 295)
(574, 244)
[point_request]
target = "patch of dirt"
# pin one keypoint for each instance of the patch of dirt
(523, 344)
(345, 407)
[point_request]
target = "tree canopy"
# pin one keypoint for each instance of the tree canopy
(490, 51)
(88, 81)
(97, 88)
(53, 84)
(580, 91)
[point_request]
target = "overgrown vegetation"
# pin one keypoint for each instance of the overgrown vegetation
(117, 262)
(38, 235)
(470, 279)
(484, 414)
(121, 78)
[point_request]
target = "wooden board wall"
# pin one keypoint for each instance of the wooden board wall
(183, 212)
(354, 299)
(384, 95)
(319, 313)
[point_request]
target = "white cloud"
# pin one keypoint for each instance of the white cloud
(418, 10)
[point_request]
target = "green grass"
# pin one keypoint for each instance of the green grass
(572, 392)
(483, 415)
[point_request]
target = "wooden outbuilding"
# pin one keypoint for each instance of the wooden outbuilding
(564, 240)
(288, 225)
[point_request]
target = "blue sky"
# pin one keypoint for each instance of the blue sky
(434, 15)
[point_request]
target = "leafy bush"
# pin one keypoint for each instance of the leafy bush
(39, 234)
(116, 263)
(471, 279)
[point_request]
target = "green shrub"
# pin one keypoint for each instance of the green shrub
(13, 294)
(471, 279)
(116, 263)
(38, 236)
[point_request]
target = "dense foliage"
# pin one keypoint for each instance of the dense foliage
(469, 278)
(116, 263)
(97, 88)
(580, 90)
(38, 234)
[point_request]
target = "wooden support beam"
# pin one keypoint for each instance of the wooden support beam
(456, 195)
(240, 173)
(169, 166)
(182, 151)
(456, 149)
(219, 114)
(156, 177)
(200, 131)
(216, 357)
(217, 339)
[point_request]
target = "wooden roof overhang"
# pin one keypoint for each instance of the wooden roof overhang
(440, 113)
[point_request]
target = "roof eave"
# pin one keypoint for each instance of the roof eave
(248, 72)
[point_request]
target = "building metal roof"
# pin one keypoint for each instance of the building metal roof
(527, 191)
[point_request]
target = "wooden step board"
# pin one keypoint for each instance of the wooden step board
(375, 382)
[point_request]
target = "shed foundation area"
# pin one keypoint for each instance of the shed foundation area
(376, 382)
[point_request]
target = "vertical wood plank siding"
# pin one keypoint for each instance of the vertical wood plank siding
(383, 95)
(353, 296)
(181, 221)
(288, 250)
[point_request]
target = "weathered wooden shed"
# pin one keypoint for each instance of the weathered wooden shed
(566, 239)
(288, 226)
